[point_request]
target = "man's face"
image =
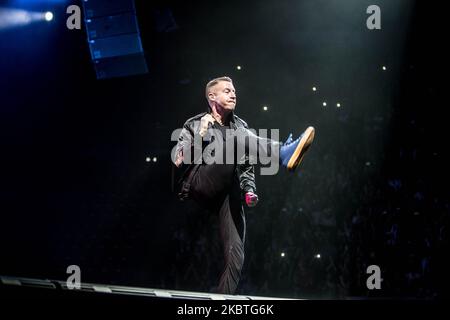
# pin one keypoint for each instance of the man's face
(224, 95)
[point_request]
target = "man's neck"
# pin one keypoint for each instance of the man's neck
(221, 115)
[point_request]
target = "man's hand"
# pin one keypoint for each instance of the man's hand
(251, 199)
(204, 122)
(179, 159)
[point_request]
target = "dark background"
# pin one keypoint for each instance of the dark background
(76, 188)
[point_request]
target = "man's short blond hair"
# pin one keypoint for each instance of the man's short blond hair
(213, 82)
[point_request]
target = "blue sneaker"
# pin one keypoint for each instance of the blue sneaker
(292, 152)
(289, 139)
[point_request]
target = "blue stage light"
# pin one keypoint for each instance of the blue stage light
(13, 18)
(48, 16)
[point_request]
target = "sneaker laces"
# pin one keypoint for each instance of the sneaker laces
(288, 140)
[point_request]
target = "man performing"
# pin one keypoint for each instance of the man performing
(223, 187)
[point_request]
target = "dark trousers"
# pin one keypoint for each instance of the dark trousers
(229, 207)
(231, 215)
(232, 233)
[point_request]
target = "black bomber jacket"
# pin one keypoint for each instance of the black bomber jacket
(244, 171)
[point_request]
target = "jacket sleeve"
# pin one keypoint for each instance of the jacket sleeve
(247, 178)
(246, 173)
(189, 143)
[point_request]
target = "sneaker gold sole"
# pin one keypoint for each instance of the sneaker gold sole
(301, 149)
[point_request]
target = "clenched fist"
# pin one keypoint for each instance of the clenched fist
(251, 199)
(204, 122)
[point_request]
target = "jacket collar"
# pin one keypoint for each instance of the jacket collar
(232, 116)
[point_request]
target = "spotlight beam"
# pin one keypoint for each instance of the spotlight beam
(12, 18)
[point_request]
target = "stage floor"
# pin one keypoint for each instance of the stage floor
(51, 287)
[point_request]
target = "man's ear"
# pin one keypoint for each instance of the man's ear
(211, 96)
